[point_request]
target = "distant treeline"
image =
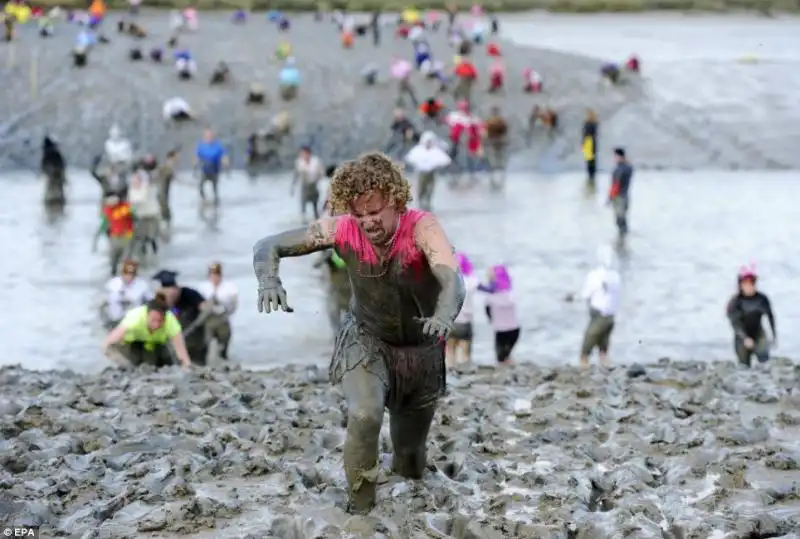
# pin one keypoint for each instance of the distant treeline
(568, 6)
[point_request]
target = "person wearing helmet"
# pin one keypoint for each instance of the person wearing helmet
(745, 312)
(124, 292)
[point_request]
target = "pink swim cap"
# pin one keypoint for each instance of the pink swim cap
(748, 272)
(465, 264)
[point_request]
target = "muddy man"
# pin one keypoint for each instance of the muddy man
(406, 294)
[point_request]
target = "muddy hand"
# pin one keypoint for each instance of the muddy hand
(435, 327)
(272, 296)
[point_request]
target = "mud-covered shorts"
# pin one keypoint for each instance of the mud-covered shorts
(598, 333)
(461, 332)
(414, 376)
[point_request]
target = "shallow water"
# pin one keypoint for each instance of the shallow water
(690, 233)
(707, 96)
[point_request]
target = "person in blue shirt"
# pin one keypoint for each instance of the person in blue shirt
(210, 157)
(289, 79)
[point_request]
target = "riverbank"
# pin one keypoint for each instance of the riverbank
(559, 6)
(335, 112)
(673, 449)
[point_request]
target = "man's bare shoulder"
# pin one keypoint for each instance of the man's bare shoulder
(433, 241)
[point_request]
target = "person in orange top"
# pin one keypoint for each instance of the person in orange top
(431, 108)
(117, 223)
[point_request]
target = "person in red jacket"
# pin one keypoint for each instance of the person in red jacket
(466, 75)
(117, 223)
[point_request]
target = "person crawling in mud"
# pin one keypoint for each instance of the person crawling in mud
(54, 168)
(190, 308)
(407, 292)
(135, 30)
(144, 336)
(221, 74)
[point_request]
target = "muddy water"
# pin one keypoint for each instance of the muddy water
(690, 233)
(720, 88)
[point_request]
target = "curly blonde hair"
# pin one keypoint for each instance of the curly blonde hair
(370, 172)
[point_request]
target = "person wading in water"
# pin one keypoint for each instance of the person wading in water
(211, 157)
(117, 224)
(407, 291)
(746, 311)
(164, 175)
(223, 299)
(619, 193)
(124, 292)
(601, 293)
(308, 170)
(589, 148)
(496, 130)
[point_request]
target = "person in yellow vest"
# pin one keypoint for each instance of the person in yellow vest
(589, 147)
(148, 334)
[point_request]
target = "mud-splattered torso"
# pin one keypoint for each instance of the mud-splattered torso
(388, 301)
(388, 297)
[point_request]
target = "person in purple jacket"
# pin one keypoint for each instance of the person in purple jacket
(502, 312)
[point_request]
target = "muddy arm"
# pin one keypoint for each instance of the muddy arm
(444, 266)
(735, 317)
(319, 235)
(771, 318)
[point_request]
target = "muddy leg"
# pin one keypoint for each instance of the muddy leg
(425, 190)
(203, 180)
(313, 200)
(215, 188)
(409, 436)
(117, 248)
(222, 333)
(366, 396)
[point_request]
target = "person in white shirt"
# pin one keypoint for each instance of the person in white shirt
(118, 149)
(601, 292)
(124, 292)
(143, 196)
(459, 344)
(176, 108)
(308, 171)
(223, 299)
(427, 157)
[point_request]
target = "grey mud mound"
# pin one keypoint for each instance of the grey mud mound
(335, 112)
(673, 450)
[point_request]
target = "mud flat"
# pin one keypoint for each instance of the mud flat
(335, 112)
(670, 450)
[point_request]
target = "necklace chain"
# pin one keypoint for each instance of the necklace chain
(388, 263)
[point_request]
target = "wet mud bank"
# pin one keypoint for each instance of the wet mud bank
(673, 449)
(335, 112)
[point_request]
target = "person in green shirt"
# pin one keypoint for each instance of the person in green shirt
(145, 333)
